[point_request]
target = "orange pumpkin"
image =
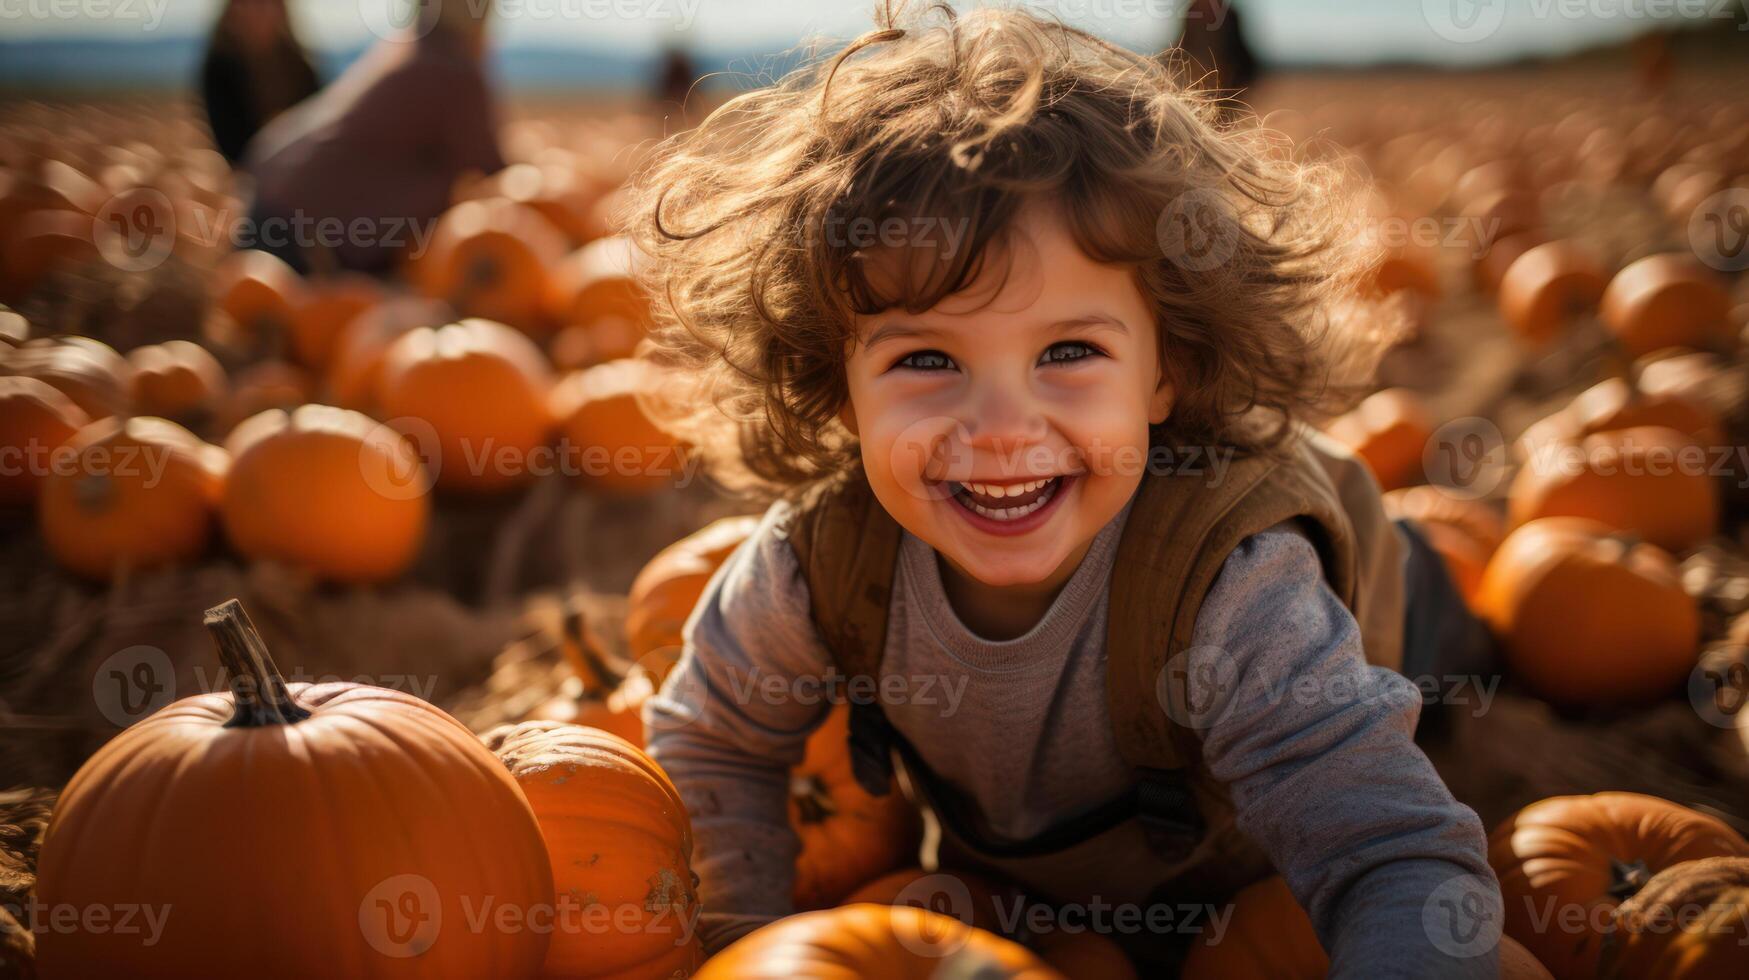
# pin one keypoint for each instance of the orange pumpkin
(88, 371)
(666, 589)
(607, 338)
(261, 294)
(1586, 617)
(620, 845)
(482, 390)
(558, 193)
(132, 495)
(619, 710)
(1668, 300)
(1497, 257)
(964, 896)
(1405, 270)
(357, 361)
(326, 490)
(847, 836)
(886, 941)
(234, 810)
(1651, 481)
(490, 259)
(1464, 532)
(1389, 431)
(1566, 862)
(1686, 923)
(327, 307)
(44, 242)
(599, 283)
(1546, 287)
(1269, 937)
(1613, 405)
(177, 380)
(36, 420)
(606, 435)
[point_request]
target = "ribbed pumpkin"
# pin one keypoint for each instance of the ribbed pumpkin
(1566, 862)
(848, 837)
(88, 371)
(326, 490)
(1464, 532)
(482, 388)
(292, 831)
(1587, 617)
(962, 895)
(598, 282)
(1651, 481)
(36, 420)
(666, 590)
(1546, 287)
(1269, 937)
(1613, 405)
(134, 495)
(177, 380)
(1687, 923)
(620, 845)
(357, 361)
(491, 259)
(261, 295)
(885, 941)
(1668, 300)
(1389, 430)
(607, 436)
(322, 315)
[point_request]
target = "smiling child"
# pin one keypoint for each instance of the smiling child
(1023, 342)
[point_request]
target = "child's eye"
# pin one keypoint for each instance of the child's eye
(1068, 351)
(925, 360)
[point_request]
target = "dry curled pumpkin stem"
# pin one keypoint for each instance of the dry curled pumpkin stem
(256, 684)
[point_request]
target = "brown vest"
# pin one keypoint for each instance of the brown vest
(1183, 842)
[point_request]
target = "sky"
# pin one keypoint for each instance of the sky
(1301, 31)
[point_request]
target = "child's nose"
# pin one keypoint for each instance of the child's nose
(1004, 418)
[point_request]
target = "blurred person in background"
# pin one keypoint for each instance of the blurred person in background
(254, 70)
(380, 149)
(1214, 41)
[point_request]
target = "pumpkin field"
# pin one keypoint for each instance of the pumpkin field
(240, 502)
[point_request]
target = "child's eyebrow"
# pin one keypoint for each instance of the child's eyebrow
(1091, 320)
(896, 331)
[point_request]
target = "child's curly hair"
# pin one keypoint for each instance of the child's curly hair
(1244, 252)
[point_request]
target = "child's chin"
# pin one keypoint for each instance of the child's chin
(1011, 572)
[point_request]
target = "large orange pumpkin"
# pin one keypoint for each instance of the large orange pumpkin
(36, 420)
(1269, 937)
(322, 315)
(1652, 481)
(1546, 287)
(1566, 862)
(1613, 405)
(607, 438)
(1389, 430)
(1686, 923)
(88, 371)
(1497, 256)
(177, 380)
(598, 283)
(482, 390)
(491, 259)
(292, 831)
(1465, 532)
(261, 295)
(1668, 300)
(620, 845)
(1586, 617)
(666, 590)
(847, 836)
(892, 942)
(132, 495)
(327, 490)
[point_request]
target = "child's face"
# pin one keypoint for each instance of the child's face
(1042, 393)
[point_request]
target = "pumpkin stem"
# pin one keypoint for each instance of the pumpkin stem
(1627, 877)
(256, 684)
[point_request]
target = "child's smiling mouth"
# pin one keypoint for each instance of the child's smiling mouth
(1010, 507)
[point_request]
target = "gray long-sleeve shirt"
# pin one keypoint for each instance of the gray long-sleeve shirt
(1314, 743)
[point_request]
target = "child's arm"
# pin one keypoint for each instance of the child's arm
(1316, 747)
(730, 723)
